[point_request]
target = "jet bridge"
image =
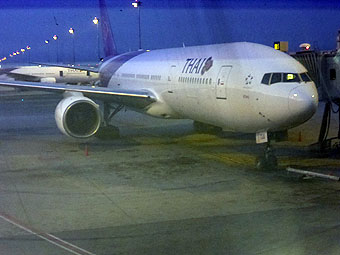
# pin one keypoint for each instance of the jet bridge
(324, 69)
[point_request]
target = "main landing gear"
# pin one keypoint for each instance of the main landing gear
(107, 131)
(267, 161)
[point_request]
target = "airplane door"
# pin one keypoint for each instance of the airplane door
(222, 82)
(171, 77)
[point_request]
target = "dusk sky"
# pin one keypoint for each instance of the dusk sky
(165, 24)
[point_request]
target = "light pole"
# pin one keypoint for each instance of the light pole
(71, 31)
(137, 4)
(29, 53)
(48, 50)
(55, 38)
(96, 22)
(23, 54)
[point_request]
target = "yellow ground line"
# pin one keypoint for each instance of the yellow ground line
(232, 158)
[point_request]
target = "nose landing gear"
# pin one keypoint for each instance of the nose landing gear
(267, 161)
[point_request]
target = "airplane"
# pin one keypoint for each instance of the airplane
(49, 74)
(241, 86)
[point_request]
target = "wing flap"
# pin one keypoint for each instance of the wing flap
(133, 98)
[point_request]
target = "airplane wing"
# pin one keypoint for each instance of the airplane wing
(80, 68)
(18, 76)
(23, 77)
(132, 98)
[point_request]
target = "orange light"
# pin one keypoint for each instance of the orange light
(95, 20)
(136, 4)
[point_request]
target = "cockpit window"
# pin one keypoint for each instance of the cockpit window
(305, 77)
(276, 77)
(291, 77)
(266, 78)
(272, 78)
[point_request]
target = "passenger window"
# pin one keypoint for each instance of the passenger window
(305, 77)
(276, 77)
(332, 74)
(291, 77)
(266, 78)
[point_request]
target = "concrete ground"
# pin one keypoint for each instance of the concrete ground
(158, 189)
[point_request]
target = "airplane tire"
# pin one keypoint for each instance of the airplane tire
(108, 133)
(266, 162)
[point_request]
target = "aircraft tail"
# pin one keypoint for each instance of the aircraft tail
(108, 40)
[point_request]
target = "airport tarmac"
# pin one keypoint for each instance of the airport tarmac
(160, 188)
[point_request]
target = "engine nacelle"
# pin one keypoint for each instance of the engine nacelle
(48, 80)
(78, 116)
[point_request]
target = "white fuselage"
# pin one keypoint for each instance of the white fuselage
(220, 85)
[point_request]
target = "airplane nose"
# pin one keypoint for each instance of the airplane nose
(303, 102)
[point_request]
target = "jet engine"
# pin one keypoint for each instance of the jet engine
(48, 80)
(77, 116)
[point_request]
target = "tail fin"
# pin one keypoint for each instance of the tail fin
(109, 43)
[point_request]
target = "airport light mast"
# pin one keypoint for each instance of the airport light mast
(96, 22)
(55, 38)
(138, 4)
(48, 49)
(71, 31)
(28, 48)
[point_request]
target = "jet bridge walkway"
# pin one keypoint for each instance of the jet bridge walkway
(323, 68)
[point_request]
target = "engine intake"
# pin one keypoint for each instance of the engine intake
(78, 116)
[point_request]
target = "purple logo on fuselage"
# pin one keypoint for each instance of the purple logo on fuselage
(208, 64)
(197, 65)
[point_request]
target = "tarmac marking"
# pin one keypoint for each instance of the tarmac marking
(45, 236)
(232, 158)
